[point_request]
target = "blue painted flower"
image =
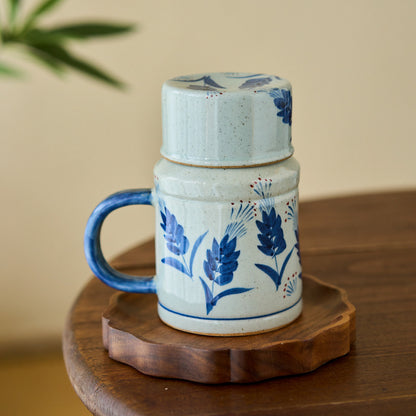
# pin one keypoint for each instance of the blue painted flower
(176, 241)
(222, 258)
(283, 101)
(256, 82)
(221, 261)
(272, 240)
(271, 234)
(219, 268)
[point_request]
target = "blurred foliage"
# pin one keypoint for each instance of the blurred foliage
(50, 46)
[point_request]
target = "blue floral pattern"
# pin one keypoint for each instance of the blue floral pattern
(220, 265)
(271, 236)
(222, 259)
(177, 242)
(292, 216)
(283, 101)
(291, 287)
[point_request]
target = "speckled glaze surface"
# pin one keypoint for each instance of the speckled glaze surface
(226, 198)
(227, 119)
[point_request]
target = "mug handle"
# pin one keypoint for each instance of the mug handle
(92, 242)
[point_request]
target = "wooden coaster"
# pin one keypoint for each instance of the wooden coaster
(133, 334)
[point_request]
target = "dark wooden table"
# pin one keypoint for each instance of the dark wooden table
(365, 244)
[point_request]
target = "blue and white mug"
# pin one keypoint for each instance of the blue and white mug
(226, 198)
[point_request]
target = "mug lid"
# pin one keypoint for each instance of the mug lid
(227, 119)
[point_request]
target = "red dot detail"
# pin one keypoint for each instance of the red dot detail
(251, 186)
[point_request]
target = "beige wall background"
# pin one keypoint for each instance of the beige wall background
(65, 145)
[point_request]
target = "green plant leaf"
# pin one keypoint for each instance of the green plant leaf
(48, 61)
(90, 30)
(42, 8)
(63, 56)
(40, 37)
(9, 71)
(13, 9)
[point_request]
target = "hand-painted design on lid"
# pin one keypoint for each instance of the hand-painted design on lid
(227, 119)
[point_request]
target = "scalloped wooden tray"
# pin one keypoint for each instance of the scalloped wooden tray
(133, 334)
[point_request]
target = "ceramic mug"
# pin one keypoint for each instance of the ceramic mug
(226, 240)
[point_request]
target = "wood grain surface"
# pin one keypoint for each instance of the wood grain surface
(365, 244)
(133, 334)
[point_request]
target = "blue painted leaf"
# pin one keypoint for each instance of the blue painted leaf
(233, 291)
(231, 258)
(215, 249)
(208, 296)
(183, 245)
(163, 218)
(265, 240)
(270, 272)
(173, 248)
(224, 241)
(195, 249)
(175, 264)
(226, 268)
(263, 228)
(224, 279)
(266, 250)
(208, 271)
(282, 271)
(273, 216)
(227, 248)
(171, 222)
(179, 232)
(256, 82)
(265, 218)
(170, 238)
(209, 81)
(212, 262)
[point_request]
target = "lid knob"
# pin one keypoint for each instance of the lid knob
(227, 119)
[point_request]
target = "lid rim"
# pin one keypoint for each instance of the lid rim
(237, 165)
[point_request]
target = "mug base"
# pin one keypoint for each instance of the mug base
(229, 327)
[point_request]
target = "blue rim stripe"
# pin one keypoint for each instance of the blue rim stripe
(230, 319)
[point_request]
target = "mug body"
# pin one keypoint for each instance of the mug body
(227, 247)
